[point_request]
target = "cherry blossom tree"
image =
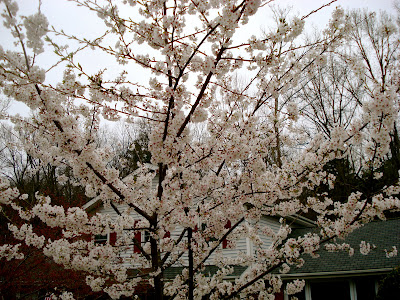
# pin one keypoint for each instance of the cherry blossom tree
(35, 273)
(210, 191)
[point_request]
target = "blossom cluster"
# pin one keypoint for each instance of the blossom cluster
(10, 252)
(268, 150)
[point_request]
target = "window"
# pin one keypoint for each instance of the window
(365, 288)
(301, 295)
(140, 237)
(143, 236)
(330, 290)
(225, 242)
(102, 239)
(361, 288)
(146, 236)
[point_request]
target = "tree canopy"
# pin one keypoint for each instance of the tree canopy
(229, 129)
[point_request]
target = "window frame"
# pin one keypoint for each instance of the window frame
(110, 239)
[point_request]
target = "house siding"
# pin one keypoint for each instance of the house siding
(267, 222)
(241, 245)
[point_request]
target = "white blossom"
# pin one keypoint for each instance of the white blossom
(241, 134)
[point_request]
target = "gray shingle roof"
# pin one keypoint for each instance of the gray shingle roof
(383, 234)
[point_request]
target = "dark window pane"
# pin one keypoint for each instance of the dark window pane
(146, 236)
(330, 290)
(100, 239)
(365, 288)
(301, 295)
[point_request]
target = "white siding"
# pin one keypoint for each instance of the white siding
(243, 245)
(271, 223)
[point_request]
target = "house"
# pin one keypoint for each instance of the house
(331, 276)
(242, 245)
(337, 275)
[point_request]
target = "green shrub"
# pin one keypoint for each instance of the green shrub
(389, 286)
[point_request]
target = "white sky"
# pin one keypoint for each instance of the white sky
(65, 14)
(79, 21)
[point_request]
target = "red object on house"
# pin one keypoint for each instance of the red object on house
(138, 238)
(279, 296)
(113, 238)
(225, 241)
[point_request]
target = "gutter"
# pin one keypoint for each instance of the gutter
(335, 274)
(301, 220)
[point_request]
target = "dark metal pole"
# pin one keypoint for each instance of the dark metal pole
(191, 267)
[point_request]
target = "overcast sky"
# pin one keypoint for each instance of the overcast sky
(83, 23)
(64, 14)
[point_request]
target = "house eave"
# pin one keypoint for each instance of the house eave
(335, 274)
(88, 206)
(303, 221)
